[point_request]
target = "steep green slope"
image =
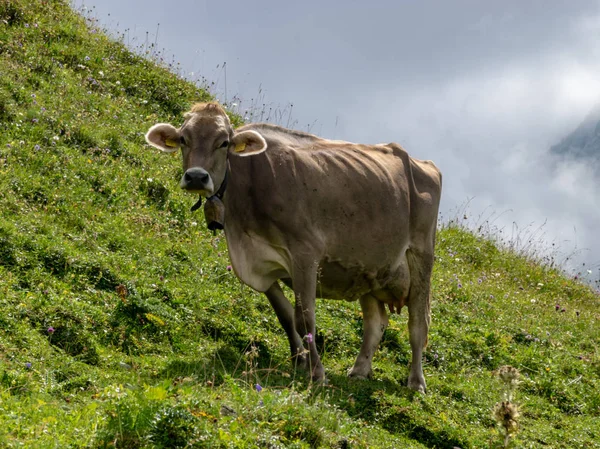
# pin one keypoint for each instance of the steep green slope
(121, 325)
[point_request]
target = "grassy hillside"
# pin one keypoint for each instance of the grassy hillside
(122, 326)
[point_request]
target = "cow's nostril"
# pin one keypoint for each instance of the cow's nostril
(196, 178)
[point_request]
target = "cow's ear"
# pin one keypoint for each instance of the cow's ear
(249, 143)
(163, 136)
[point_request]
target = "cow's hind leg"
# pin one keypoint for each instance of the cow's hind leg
(375, 321)
(285, 313)
(419, 318)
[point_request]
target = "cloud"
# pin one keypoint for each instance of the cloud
(490, 131)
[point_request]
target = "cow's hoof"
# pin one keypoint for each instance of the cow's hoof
(300, 362)
(318, 375)
(322, 381)
(355, 373)
(417, 385)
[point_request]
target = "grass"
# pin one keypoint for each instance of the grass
(121, 326)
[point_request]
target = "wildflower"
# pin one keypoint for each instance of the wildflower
(506, 415)
(32, 95)
(459, 285)
(228, 267)
(37, 148)
(309, 337)
(258, 387)
(28, 365)
(87, 58)
(51, 330)
(557, 307)
(510, 378)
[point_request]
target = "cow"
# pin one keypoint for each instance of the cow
(328, 218)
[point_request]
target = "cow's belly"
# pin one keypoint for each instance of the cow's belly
(388, 282)
(258, 263)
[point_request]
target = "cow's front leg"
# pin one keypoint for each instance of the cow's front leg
(285, 314)
(375, 321)
(305, 284)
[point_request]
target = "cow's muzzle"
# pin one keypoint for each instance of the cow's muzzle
(197, 180)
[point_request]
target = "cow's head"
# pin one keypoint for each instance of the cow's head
(206, 138)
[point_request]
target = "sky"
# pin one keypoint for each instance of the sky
(481, 88)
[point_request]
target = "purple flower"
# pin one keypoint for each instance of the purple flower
(228, 267)
(37, 148)
(309, 337)
(50, 330)
(87, 58)
(258, 387)
(557, 307)
(28, 365)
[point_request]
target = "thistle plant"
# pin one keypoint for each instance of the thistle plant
(251, 358)
(506, 413)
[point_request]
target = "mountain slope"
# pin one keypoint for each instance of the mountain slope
(121, 325)
(584, 141)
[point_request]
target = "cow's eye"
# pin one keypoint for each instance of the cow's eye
(225, 144)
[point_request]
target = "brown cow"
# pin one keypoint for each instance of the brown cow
(328, 218)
